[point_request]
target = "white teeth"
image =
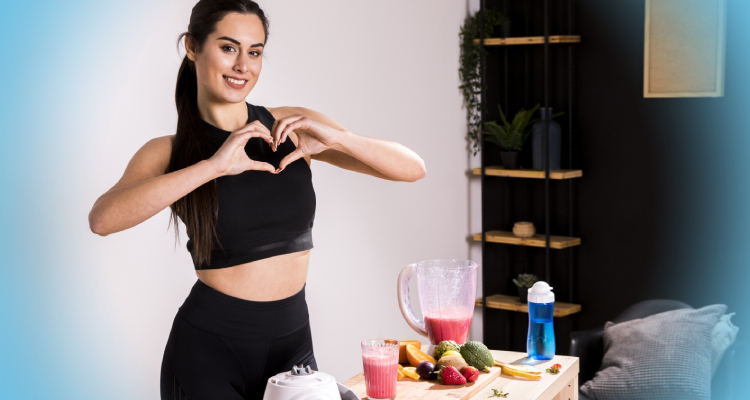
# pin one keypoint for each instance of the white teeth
(235, 81)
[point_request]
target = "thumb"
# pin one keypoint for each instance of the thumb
(290, 158)
(261, 166)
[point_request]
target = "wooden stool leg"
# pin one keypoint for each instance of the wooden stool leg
(569, 391)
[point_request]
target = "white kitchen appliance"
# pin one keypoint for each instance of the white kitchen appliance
(306, 384)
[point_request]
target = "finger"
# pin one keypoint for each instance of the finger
(273, 127)
(254, 126)
(257, 124)
(261, 166)
(302, 123)
(251, 125)
(281, 125)
(265, 130)
(246, 134)
(290, 158)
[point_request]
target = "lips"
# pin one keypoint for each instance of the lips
(234, 82)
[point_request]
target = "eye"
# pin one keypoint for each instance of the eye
(226, 46)
(256, 53)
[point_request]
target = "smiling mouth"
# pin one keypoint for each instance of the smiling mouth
(235, 81)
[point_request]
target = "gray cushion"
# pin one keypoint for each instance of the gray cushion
(722, 337)
(663, 356)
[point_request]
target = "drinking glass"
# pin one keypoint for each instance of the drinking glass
(380, 363)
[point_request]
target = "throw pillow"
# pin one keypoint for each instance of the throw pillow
(722, 336)
(663, 356)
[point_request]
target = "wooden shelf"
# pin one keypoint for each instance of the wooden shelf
(511, 303)
(511, 41)
(529, 173)
(538, 240)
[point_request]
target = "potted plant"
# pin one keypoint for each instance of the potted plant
(468, 71)
(511, 135)
(524, 282)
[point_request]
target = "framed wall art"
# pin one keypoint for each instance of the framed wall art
(684, 48)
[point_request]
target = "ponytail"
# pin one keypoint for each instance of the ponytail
(199, 209)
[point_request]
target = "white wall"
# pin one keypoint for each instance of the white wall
(386, 69)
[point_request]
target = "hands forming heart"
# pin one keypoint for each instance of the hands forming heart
(313, 137)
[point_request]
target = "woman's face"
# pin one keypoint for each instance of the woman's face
(234, 51)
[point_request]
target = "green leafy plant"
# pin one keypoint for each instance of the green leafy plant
(498, 393)
(511, 135)
(468, 71)
(525, 280)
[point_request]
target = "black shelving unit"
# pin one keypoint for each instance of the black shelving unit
(499, 193)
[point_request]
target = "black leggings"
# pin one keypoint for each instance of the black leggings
(225, 348)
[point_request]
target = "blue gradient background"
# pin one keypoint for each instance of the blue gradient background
(46, 350)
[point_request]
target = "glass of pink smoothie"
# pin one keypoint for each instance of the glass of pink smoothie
(380, 363)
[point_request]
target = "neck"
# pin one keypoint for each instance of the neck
(223, 115)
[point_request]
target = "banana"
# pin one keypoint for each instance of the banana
(529, 369)
(520, 374)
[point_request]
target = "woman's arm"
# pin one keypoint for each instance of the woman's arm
(344, 149)
(145, 189)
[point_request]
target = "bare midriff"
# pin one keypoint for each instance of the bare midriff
(269, 279)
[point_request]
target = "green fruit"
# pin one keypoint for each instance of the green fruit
(444, 346)
(477, 355)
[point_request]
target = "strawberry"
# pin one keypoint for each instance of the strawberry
(554, 369)
(470, 373)
(450, 376)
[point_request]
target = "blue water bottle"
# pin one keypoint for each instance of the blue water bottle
(541, 341)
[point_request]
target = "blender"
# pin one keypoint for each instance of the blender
(447, 290)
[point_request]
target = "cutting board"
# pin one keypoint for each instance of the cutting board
(410, 389)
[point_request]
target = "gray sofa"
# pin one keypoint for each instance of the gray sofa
(588, 346)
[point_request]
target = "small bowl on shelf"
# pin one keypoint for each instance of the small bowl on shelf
(524, 229)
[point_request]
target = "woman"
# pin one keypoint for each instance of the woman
(238, 176)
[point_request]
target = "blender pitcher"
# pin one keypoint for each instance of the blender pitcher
(447, 290)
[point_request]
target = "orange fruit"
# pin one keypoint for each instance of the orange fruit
(411, 372)
(400, 372)
(417, 356)
(402, 349)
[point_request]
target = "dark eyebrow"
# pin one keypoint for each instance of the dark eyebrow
(238, 43)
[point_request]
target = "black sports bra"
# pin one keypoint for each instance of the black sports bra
(261, 214)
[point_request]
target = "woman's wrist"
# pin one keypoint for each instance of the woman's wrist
(209, 168)
(344, 141)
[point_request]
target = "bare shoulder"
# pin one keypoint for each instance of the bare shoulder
(150, 161)
(285, 111)
(281, 112)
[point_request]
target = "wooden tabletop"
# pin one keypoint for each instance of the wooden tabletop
(562, 386)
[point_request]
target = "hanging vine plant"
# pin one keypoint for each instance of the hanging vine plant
(469, 69)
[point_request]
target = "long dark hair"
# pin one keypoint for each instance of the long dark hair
(199, 209)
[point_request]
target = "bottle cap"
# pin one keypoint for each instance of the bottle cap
(541, 292)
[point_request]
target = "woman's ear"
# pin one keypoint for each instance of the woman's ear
(189, 48)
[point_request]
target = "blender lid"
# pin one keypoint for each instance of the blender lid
(305, 380)
(302, 377)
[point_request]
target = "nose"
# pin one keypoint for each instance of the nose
(241, 64)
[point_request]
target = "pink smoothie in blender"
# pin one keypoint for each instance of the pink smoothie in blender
(439, 329)
(447, 290)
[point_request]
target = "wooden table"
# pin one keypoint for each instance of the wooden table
(562, 386)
